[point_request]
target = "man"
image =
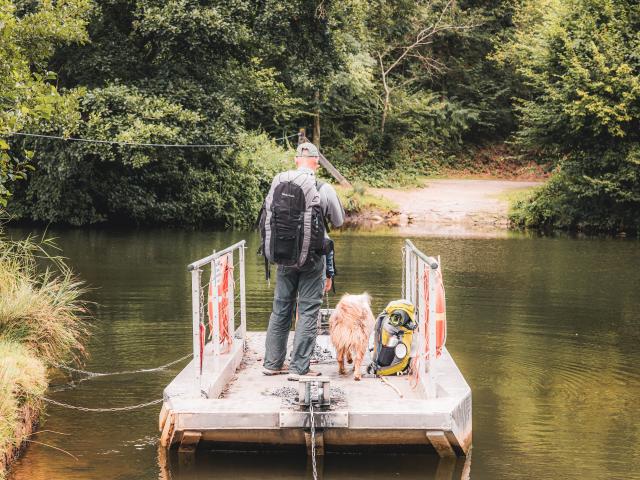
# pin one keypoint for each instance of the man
(302, 286)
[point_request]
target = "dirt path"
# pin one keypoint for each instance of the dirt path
(455, 207)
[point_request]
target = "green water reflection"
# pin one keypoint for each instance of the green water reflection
(546, 332)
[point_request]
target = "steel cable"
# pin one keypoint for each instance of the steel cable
(111, 409)
(130, 144)
(124, 372)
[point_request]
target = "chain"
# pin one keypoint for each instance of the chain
(313, 439)
(113, 409)
(124, 372)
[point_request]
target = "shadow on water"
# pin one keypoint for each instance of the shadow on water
(207, 464)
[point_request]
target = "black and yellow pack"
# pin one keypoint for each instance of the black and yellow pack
(393, 337)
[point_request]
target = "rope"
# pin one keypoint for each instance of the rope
(124, 372)
(101, 410)
(132, 144)
(389, 384)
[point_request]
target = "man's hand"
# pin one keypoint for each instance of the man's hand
(327, 284)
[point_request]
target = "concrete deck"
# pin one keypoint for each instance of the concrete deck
(238, 407)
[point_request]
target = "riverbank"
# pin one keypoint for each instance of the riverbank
(41, 323)
(462, 207)
(28, 419)
(23, 381)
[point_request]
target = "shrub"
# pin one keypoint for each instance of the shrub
(581, 64)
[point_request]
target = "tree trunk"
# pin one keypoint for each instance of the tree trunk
(316, 121)
(385, 109)
(387, 94)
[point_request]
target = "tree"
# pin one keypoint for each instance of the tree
(426, 24)
(28, 97)
(580, 62)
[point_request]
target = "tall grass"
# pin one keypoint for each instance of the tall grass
(23, 380)
(41, 322)
(40, 301)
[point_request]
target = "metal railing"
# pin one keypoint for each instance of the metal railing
(205, 298)
(419, 274)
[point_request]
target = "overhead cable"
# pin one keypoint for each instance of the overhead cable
(132, 144)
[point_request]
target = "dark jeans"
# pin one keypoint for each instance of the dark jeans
(306, 287)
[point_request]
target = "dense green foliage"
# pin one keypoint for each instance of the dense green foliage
(220, 72)
(583, 72)
(28, 98)
(390, 89)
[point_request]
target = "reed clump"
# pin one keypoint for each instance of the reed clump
(42, 322)
(40, 301)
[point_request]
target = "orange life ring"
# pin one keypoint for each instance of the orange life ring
(223, 303)
(441, 311)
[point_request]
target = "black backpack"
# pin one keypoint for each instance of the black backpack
(292, 225)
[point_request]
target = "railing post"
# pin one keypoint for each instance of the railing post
(407, 272)
(415, 279)
(243, 306)
(195, 307)
(215, 334)
(412, 291)
(431, 332)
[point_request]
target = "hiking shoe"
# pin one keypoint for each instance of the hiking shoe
(294, 377)
(283, 370)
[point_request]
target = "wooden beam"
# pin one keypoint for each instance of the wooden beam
(319, 442)
(167, 431)
(162, 418)
(440, 442)
(326, 164)
(189, 442)
(334, 171)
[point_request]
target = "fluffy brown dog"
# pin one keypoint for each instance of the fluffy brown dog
(350, 326)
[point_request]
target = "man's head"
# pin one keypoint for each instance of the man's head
(307, 155)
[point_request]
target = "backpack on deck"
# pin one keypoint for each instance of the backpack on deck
(393, 345)
(292, 225)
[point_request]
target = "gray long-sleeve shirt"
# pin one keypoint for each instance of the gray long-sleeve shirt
(331, 206)
(330, 203)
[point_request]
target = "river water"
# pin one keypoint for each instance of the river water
(545, 330)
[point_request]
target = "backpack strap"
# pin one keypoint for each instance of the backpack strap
(256, 224)
(319, 185)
